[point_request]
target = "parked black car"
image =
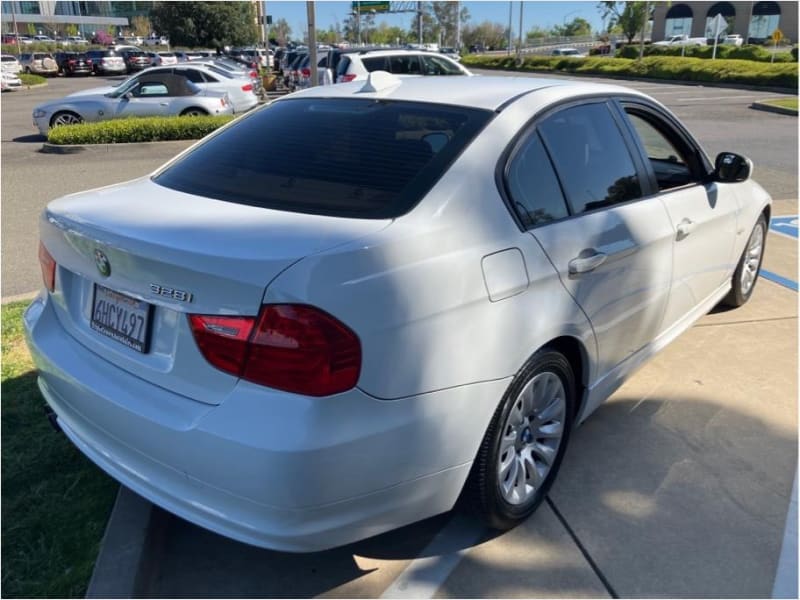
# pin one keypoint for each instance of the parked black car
(135, 60)
(73, 63)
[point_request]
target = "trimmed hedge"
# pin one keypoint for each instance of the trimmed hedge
(726, 51)
(147, 129)
(655, 67)
(45, 47)
(31, 79)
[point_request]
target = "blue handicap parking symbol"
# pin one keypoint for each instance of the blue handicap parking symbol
(784, 225)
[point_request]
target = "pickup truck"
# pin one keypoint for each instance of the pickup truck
(682, 40)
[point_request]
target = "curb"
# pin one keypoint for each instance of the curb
(124, 562)
(773, 109)
(48, 148)
(19, 297)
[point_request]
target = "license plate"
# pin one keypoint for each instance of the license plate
(122, 318)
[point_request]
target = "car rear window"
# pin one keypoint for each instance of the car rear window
(343, 157)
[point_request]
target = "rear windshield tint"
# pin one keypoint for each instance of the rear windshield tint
(344, 157)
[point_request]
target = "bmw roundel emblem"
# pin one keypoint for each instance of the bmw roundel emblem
(101, 260)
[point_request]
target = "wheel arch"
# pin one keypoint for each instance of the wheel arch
(575, 352)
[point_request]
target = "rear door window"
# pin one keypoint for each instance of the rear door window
(404, 64)
(436, 65)
(591, 157)
(343, 157)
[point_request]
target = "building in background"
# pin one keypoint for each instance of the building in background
(52, 17)
(754, 21)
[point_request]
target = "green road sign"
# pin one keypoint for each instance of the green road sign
(366, 6)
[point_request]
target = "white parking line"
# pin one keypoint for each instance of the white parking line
(424, 576)
(786, 576)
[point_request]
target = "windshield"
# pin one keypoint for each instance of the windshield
(343, 157)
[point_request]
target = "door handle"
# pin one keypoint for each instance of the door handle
(584, 264)
(684, 228)
(164, 103)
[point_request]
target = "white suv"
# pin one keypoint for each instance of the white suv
(357, 65)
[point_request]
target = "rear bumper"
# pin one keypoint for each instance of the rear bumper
(267, 468)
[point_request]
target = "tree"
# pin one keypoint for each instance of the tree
(628, 16)
(140, 25)
(446, 20)
(537, 32)
(576, 27)
(281, 31)
(206, 24)
(489, 35)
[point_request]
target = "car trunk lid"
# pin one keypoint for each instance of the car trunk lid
(165, 254)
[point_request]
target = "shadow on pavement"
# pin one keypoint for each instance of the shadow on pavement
(30, 139)
(651, 487)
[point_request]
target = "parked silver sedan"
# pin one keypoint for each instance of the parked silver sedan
(155, 94)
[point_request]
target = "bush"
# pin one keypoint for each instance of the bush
(794, 54)
(656, 67)
(31, 79)
(148, 129)
(726, 51)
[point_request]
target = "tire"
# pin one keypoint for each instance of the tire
(745, 276)
(501, 487)
(65, 117)
(193, 112)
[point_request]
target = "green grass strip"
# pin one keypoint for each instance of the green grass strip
(147, 129)
(55, 501)
(652, 67)
(31, 79)
(790, 103)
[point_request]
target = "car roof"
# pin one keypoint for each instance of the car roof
(487, 92)
(392, 51)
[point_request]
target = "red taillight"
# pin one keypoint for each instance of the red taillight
(347, 77)
(290, 347)
(88, 61)
(253, 74)
(247, 87)
(71, 62)
(223, 340)
(306, 72)
(48, 265)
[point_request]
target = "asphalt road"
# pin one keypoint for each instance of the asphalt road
(720, 118)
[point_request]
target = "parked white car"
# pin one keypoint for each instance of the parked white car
(156, 41)
(682, 40)
(151, 95)
(734, 39)
(9, 81)
(420, 295)
(356, 66)
(9, 64)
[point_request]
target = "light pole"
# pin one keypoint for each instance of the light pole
(510, 8)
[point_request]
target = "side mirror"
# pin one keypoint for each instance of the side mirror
(128, 95)
(731, 167)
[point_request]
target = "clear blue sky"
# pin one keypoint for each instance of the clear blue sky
(543, 14)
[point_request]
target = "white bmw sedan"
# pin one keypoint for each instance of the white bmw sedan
(419, 296)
